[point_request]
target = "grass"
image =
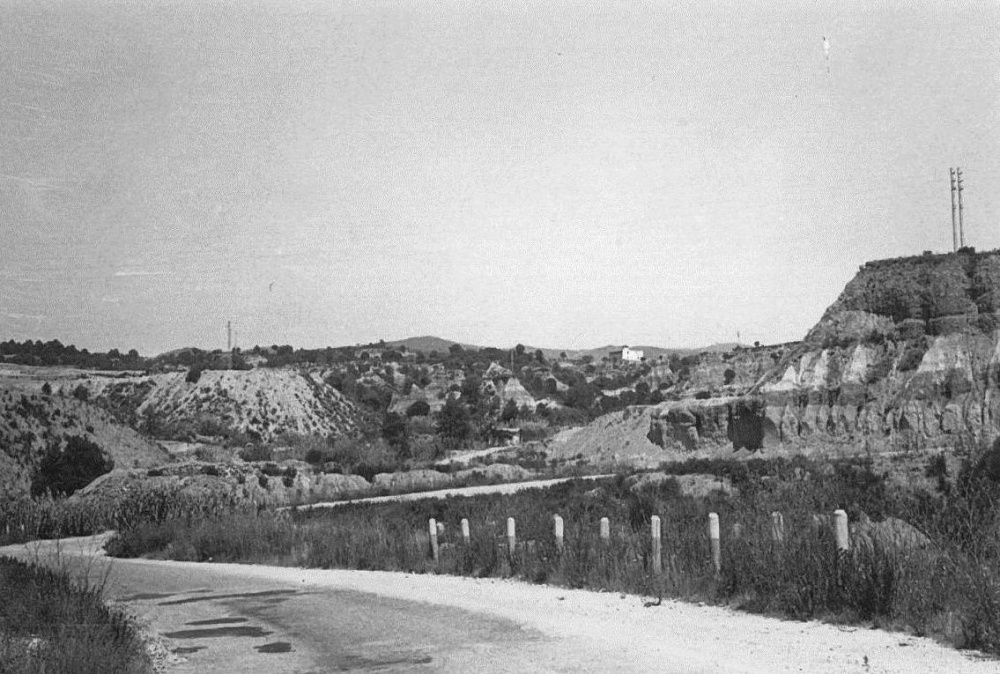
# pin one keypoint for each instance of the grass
(51, 625)
(949, 589)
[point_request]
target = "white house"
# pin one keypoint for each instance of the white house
(627, 355)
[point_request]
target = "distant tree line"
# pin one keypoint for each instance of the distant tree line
(55, 352)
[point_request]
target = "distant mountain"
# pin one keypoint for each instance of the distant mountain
(427, 344)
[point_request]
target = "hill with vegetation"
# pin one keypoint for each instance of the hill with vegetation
(39, 425)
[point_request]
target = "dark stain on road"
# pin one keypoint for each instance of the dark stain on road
(236, 631)
(217, 621)
(350, 663)
(150, 595)
(184, 650)
(243, 595)
(276, 647)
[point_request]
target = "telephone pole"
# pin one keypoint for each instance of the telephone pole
(961, 229)
(954, 227)
(229, 335)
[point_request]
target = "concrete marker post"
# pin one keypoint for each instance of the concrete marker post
(433, 531)
(655, 533)
(777, 527)
(559, 531)
(840, 531)
(511, 537)
(713, 537)
(466, 537)
(605, 531)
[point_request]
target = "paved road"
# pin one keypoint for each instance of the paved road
(505, 488)
(236, 618)
(240, 618)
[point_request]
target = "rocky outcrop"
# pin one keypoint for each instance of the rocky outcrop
(412, 480)
(907, 357)
(696, 484)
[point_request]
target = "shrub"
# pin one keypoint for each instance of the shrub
(256, 452)
(418, 409)
(64, 470)
(193, 374)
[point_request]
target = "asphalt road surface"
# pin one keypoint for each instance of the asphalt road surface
(242, 618)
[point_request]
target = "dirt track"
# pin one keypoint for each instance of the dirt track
(217, 617)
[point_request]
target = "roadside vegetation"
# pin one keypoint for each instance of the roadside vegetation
(932, 566)
(49, 624)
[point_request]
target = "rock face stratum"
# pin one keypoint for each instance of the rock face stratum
(908, 357)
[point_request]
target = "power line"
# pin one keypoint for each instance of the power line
(954, 230)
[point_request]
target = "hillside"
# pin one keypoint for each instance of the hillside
(261, 403)
(30, 421)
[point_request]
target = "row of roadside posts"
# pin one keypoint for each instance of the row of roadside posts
(840, 531)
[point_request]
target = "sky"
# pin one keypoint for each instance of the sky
(559, 174)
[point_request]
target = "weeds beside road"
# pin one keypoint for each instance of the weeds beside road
(49, 624)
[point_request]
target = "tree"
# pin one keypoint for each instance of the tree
(509, 412)
(194, 374)
(539, 356)
(396, 432)
(453, 422)
(581, 396)
(418, 409)
(455, 349)
(64, 470)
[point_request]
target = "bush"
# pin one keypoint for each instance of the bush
(418, 409)
(256, 452)
(64, 470)
(316, 456)
(193, 374)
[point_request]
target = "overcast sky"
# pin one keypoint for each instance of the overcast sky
(563, 174)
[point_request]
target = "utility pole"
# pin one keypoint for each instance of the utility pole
(961, 229)
(954, 227)
(229, 335)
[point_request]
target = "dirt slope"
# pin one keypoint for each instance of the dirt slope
(263, 401)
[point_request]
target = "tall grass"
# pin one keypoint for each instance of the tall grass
(51, 625)
(27, 519)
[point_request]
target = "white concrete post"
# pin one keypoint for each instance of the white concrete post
(605, 530)
(559, 532)
(511, 536)
(840, 531)
(777, 527)
(654, 530)
(433, 530)
(465, 531)
(713, 537)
